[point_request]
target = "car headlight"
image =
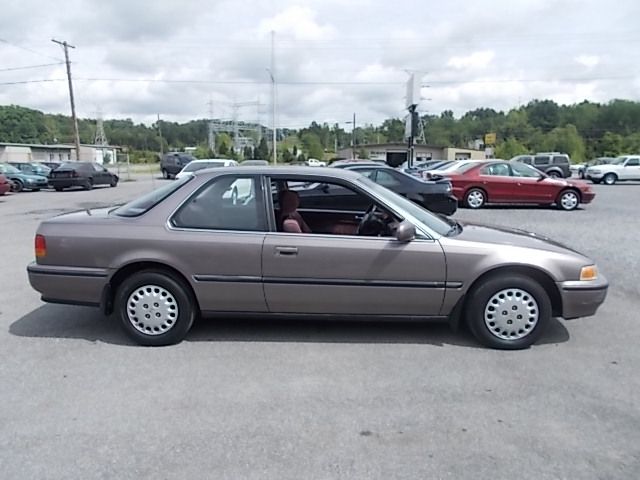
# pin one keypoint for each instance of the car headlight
(29, 180)
(590, 272)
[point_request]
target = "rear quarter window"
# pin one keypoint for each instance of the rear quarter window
(560, 160)
(145, 203)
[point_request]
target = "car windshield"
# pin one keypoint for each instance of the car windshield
(619, 161)
(147, 202)
(427, 218)
(8, 169)
(195, 166)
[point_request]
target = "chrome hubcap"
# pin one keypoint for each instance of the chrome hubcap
(511, 314)
(609, 179)
(475, 199)
(152, 310)
(569, 200)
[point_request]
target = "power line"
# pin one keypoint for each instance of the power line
(29, 50)
(27, 67)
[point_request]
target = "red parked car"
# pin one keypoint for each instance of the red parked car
(5, 186)
(497, 181)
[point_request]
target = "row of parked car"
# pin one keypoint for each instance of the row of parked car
(441, 186)
(34, 176)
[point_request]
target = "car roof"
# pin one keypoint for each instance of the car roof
(340, 173)
(209, 160)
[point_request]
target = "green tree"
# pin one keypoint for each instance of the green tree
(262, 152)
(509, 149)
(311, 146)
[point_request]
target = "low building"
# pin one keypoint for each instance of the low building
(34, 152)
(396, 153)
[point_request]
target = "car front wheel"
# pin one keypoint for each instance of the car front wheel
(155, 308)
(17, 186)
(610, 179)
(568, 200)
(475, 198)
(165, 174)
(508, 312)
(114, 182)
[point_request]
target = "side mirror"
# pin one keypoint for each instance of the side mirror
(541, 177)
(405, 232)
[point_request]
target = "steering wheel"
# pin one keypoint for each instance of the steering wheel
(373, 223)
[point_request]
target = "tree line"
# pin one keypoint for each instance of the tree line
(584, 130)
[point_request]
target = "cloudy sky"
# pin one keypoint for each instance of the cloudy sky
(138, 59)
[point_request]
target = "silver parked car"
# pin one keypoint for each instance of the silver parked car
(193, 248)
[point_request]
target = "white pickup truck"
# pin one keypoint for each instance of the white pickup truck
(622, 168)
(314, 162)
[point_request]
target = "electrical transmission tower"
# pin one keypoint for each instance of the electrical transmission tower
(101, 137)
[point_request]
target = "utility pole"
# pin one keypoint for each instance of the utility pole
(353, 137)
(66, 47)
(212, 134)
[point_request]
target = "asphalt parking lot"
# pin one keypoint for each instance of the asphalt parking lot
(251, 399)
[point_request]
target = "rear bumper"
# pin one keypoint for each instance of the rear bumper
(70, 285)
(444, 204)
(582, 299)
(67, 182)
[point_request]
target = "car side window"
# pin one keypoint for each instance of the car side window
(226, 203)
(386, 179)
(520, 170)
(633, 162)
(97, 167)
(540, 160)
(367, 172)
(496, 169)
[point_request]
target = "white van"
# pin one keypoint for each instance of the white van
(196, 165)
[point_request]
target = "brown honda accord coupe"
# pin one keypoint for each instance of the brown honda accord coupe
(250, 241)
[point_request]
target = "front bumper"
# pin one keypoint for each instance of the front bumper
(587, 197)
(593, 176)
(70, 285)
(582, 298)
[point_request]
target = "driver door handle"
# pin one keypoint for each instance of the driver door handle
(287, 251)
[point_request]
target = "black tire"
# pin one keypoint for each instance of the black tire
(165, 174)
(475, 198)
(610, 179)
(554, 174)
(481, 299)
(88, 184)
(173, 329)
(568, 200)
(35, 189)
(17, 186)
(58, 189)
(114, 182)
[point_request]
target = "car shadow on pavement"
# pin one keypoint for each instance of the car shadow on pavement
(63, 321)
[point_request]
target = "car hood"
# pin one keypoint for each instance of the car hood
(28, 176)
(498, 235)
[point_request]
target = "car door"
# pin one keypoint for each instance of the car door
(497, 180)
(532, 187)
(631, 170)
(352, 275)
(220, 235)
(99, 175)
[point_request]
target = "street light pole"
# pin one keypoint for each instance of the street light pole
(353, 136)
(76, 135)
(273, 96)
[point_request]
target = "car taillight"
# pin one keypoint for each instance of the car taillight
(41, 246)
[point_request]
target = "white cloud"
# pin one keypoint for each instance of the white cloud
(589, 61)
(476, 60)
(297, 21)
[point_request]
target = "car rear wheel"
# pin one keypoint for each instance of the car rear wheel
(554, 174)
(155, 308)
(17, 186)
(610, 179)
(508, 312)
(568, 200)
(88, 184)
(475, 198)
